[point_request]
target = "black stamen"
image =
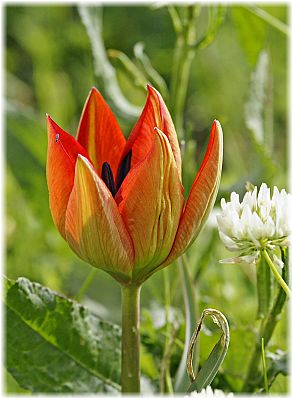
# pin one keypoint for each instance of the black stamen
(107, 177)
(123, 169)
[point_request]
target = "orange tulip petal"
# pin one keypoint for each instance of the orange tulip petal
(202, 195)
(63, 150)
(94, 228)
(154, 114)
(99, 132)
(150, 202)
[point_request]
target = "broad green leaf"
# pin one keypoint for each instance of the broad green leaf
(281, 386)
(56, 345)
(39, 367)
(211, 366)
(8, 283)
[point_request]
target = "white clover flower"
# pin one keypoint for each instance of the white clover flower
(208, 392)
(258, 222)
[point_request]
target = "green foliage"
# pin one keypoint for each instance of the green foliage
(50, 68)
(212, 364)
(278, 364)
(56, 345)
(216, 18)
(154, 335)
(144, 63)
(181, 379)
(251, 31)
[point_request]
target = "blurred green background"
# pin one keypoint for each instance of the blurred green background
(241, 79)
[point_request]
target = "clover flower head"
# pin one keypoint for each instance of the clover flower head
(260, 221)
(208, 392)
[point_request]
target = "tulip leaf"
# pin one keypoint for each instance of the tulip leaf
(55, 345)
(211, 366)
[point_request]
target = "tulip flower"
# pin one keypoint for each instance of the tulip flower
(119, 204)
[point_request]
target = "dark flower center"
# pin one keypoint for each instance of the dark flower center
(107, 174)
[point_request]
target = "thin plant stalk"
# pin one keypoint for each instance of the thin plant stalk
(264, 366)
(130, 366)
(183, 56)
(276, 273)
(267, 328)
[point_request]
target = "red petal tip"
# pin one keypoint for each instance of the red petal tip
(93, 88)
(150, 88)
(154, 91)
(80, 156)
(216, 122)
(51, 123)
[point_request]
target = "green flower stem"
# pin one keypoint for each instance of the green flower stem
(183, 57)
(276, 273)
(130, 367)
(267, 328)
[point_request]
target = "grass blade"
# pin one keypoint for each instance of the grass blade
(181, 378)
